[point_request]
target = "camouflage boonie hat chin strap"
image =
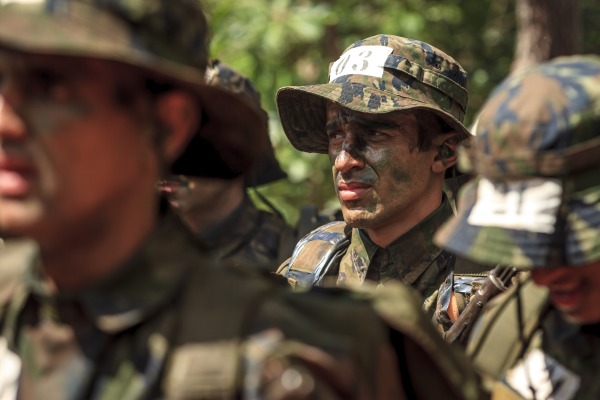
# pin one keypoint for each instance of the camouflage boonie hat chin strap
(535, 202)
(167, 39)
(377, 75)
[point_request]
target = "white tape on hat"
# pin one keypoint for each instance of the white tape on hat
(363, 60)
(5, 2)
(530, 205)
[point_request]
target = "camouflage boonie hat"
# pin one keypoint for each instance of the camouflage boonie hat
(167, 39)
(535, 202)
(266, 168)
(377, 75)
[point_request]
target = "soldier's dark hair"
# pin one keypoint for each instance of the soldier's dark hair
(429, 126)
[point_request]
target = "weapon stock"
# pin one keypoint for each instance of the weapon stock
(498, 280)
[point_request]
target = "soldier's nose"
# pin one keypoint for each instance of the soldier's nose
(12, 126)
(346, 160)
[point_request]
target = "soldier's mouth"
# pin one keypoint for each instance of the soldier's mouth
(15, 178)
(566, 300)
(348, 191)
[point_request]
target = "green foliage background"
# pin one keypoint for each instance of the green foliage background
(291, 42)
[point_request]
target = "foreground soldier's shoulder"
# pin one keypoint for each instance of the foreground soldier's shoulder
(330, 340)
(432, 358)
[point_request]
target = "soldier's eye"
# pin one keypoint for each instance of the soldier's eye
(375, 134)
(49, 85)
(335, 135)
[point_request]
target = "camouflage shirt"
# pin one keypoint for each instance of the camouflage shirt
(412, 259)
(169, 324)
(251, 237)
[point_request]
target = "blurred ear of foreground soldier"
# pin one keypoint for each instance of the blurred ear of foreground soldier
(535, 204)
(390, 120)
(96, 98)
(219, 211)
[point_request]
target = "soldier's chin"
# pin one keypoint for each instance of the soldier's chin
(358, 218)
(581, 318)
(17, 218)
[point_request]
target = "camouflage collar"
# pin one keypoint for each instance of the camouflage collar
(235, 231)
(142, 285)
(407, 257)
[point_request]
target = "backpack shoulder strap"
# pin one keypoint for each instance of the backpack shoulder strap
(214, 313)
(316, 254)
(506, 327)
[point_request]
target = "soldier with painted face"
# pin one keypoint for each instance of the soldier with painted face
(220, 212)
(535, 204)
(390, 119)
(114, 299)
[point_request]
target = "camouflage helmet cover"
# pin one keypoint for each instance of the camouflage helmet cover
(266, 169)
(379, 74)
(535, 201)
(167, 39)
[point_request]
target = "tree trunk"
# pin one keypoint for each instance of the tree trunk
(546, 29)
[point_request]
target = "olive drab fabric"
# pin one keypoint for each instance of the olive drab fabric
(508, 323)
(251, 237)
(170, 331)
(376, 75)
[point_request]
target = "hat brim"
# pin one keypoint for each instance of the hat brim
(233, 130)
(577, 242)
(231, 141)
(302, 111)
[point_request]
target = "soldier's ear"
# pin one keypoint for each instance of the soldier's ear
(446, 152)
(180, 116)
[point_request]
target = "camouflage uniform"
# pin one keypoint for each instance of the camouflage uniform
(414, 75)
(535, 205)
(337, 255)
(167, 323)
(250, 236)
(247, 236)
(138, 334)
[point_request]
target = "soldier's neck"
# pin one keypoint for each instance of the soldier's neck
(206, 217)
(79, 257)
(386, 233)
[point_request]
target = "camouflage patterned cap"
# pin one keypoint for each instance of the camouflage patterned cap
(535, 201)
(266, 169)
(168, 39)
(377, 75)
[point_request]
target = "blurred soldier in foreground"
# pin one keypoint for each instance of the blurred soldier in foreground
(390, 119)
(96, 99)
(219, 211)
(535, 204)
